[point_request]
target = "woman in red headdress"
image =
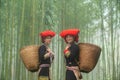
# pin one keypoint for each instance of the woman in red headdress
(71, 53)
(46, 55)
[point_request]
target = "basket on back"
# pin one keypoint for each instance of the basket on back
(30, 57)
(89, 55)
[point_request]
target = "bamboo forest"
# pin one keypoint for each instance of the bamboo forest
(21, 21)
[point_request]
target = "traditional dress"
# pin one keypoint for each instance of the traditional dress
(72, 56)
(45, 59)
(44, 64)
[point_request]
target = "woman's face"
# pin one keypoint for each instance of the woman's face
(69, 39)
(47, 40)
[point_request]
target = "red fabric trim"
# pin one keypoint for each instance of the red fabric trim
(66, 50)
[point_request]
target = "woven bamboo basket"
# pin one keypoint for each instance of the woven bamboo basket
(89, 55)
(30, 57)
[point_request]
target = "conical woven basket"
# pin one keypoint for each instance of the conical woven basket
(89, 55)
(30, 57)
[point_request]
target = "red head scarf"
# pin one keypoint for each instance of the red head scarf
(73, 32)
(47, 33)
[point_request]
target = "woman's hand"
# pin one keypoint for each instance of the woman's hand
(47, 55)
(49, 50)
(50, 53)
(67, 46)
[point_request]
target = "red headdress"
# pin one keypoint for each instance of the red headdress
(47, 33)
(73, 32)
